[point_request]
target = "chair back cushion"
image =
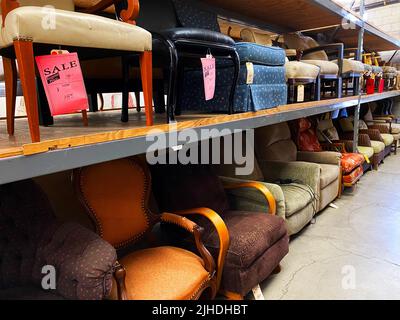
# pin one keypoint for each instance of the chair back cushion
(191, 15)
(300, 42)
(274, 143)
(157, 15)
(326, 128)
(306, 137)
(248, 35)
(26, 223)
(116, 196)
(180, 187)
(346, 124)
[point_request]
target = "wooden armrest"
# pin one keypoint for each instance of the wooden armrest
(197, 231)
(222, 231)
(119, 276)
(6, 7)
(127, 15)
(260, 187)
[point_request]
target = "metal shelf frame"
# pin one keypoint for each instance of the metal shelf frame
(24, 167)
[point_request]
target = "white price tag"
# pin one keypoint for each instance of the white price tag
(250, 73)
(300, 93)
(257, 292)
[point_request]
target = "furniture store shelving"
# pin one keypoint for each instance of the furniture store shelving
(66, 148)
(55, 155)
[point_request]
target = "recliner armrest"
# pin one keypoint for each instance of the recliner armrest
(302, 172)
(323, 157)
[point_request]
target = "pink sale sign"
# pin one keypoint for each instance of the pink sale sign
(209, 75)
(63, 83)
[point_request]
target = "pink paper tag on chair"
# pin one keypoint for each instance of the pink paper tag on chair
(63, 83)
(209, 75)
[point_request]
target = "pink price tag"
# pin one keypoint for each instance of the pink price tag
(63, 83)
(209, 75)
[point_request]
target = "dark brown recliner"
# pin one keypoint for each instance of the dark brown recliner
(258, 240)
(31, 238)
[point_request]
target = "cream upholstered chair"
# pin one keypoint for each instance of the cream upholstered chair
(28, 29)
(297, 73)
(335, 70)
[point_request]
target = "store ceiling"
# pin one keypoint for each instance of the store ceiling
(297, 15)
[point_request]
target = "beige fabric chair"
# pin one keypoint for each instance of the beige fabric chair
(337, 69)
(29, 27)
(274, 144)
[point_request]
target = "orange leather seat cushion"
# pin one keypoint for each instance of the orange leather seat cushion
(163, 273)
(350, 161)
(353, 176)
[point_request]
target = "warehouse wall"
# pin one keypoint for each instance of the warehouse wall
(386, 18)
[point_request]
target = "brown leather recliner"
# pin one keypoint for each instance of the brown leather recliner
(116, 195)
(259, 241)
(274, 144)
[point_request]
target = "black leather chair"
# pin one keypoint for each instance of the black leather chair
(183, 32)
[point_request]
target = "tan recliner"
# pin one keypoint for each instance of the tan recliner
(274, 144)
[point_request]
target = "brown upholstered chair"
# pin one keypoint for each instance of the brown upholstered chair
(274, 145)
(31, 237)
(122, 217)
(259, 240)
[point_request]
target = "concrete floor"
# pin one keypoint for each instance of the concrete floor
(349, 253)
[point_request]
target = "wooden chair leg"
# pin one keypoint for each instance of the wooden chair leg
(10, 79)
(137, 98)
(101, 101)
(146, 69)
(26, 64)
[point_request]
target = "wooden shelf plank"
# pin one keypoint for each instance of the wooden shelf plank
(107, 139)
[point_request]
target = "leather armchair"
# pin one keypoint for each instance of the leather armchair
(92, 36)
(124, 219)
(183, 32)
(259, 239)
(32, 238)
(274, 144)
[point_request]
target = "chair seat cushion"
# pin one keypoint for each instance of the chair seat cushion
(366, 151)
(367, 67)
(251, 234)
(396, 136)
(301, 70)
(329, 173)
(387, 139)
(350, 161)
(389, 69)
(73, 29)
(259, 54)
(326, 67)
(352, 66)
(163, 273)
(197, 34)
(353, 176)
(377, 70)
(297, 197)
(378, 146)
(395, 128)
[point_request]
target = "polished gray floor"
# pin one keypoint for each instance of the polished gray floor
(352, 252)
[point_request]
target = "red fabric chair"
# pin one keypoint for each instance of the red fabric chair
(307, 140)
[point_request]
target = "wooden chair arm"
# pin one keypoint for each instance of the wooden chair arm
(260, 187)
(6, 7)
(119, 276)
(197, 231)
(127, 15)
(222, 231)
